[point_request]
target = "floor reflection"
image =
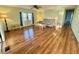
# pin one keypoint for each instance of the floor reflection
(29, 34)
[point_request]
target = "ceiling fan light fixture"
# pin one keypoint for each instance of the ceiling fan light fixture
(35, 6)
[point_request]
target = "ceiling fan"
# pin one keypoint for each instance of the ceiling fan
(36, 7)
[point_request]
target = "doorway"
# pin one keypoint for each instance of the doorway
(68, 17)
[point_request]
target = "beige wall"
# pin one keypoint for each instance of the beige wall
(13, 19)
(39, 15)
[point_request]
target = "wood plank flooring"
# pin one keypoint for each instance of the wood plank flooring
(33, 40)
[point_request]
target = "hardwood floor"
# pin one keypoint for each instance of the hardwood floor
(33, 40)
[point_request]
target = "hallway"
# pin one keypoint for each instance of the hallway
(32, 40)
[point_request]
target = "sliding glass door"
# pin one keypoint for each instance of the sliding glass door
(23, 19)
(26, 19)
(30, 19)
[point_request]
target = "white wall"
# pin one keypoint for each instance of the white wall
(2, 31)
(3, 38)
(75, 23)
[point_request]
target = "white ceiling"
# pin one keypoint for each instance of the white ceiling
(45, 6)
